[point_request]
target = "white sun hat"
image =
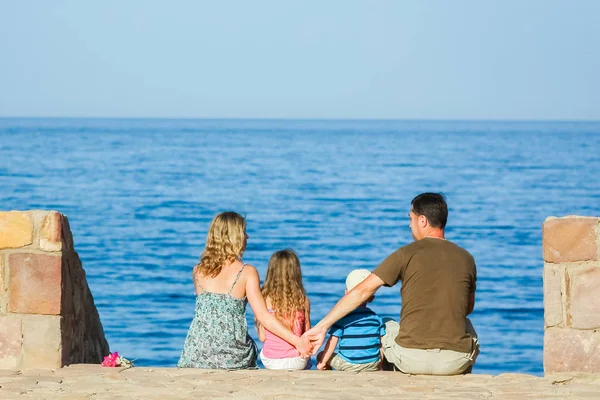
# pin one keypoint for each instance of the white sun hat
(355, 277)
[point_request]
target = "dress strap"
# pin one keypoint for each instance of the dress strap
(236, 279)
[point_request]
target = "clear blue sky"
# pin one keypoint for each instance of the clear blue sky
(447, 59)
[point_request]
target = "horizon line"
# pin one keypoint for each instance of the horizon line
(307, 119)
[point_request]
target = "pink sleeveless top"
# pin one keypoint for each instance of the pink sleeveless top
(275, 347)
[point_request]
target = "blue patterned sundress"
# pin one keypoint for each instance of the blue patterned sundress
(218, 335)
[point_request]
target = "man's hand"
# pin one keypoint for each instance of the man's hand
(316, 335)
(360, 294)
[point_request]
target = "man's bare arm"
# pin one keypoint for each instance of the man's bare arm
(361, 293)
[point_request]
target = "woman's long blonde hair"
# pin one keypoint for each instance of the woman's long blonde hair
(283, 285)
(225, 242)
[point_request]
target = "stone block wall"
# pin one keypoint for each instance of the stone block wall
(571, 248)
(47, 314)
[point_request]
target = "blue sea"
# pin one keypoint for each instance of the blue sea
(140, 193)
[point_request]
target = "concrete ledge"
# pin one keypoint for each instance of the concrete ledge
(83, 381)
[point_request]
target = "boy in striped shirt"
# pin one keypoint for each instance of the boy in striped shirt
(358, 335)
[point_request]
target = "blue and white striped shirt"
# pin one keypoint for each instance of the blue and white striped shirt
(360, 336)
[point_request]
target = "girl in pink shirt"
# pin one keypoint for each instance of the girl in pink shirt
(286, 299)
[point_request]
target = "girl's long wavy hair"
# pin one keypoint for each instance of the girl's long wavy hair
(225, 242)
(283, 285)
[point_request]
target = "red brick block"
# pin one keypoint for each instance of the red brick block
(34, 283)
(570, 239)
(51, 232)
(571, 350)
(583, 301)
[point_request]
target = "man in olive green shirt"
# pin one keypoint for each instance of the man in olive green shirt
(438, 277)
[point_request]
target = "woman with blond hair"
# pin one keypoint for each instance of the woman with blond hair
(218, 335)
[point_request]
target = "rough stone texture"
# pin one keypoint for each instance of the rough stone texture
(95, 382)
(3, 294)
(571, 350)
(34, 283)
(16, 229)
(11, 340)
(51, 232)
(571, 294)
(42, 346)
(1, 274)
(583, 302)
(553, 283)
(83, 335)
(67, 237)
(570, 239)
(45, 288)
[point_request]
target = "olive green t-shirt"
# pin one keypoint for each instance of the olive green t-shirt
(437, 277)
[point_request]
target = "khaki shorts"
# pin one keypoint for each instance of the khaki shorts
(339, 364)
(429, 361)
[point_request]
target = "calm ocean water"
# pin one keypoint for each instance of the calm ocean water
(140, 194)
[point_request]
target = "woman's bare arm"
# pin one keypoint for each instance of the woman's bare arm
(307, 315)
(195, 277)
(268, 320)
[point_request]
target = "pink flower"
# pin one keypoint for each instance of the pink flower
(111, 360)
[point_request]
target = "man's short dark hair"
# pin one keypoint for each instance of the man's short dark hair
(433, 206)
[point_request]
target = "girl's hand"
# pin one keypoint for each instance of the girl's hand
(304, 347)
(322, 366)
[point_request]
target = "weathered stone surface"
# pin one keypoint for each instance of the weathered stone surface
(570, 239)
(83, 335)
(42, 345)
(171, 383)
(51, 232)
(34, 283)
(11, 340)
(67, 237)
(58, 323)
(553, 307)
(583, 302)
(16, 229)
(571, 350)
(1, 273)
(3, 295)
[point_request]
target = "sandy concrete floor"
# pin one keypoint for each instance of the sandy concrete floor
(95, 382)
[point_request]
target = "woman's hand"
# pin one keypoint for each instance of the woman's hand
(316, 335)
(304, 347)
(268, 320)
